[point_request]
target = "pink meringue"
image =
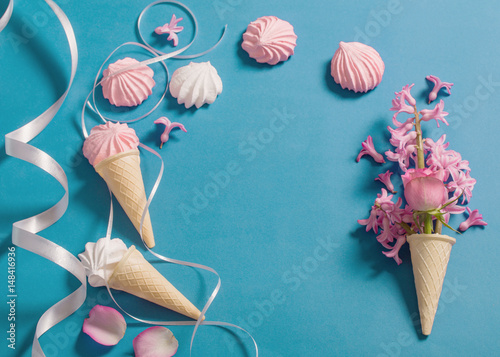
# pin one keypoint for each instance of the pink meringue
(269, 40)
(129, 88)
(107, 140)
(357, 67)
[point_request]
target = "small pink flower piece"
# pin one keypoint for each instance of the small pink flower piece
(168, 128)
(105, 325)
(386, 180)
(407, 95)
(399, 104)
(438, 84)
(172, 29)
(394, 252)
(371, 222)
(424, 189)
(369, 149)
(437, 113)
(462, 185)
(475, 219)
(156, 341)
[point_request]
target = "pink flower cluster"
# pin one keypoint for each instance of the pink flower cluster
(445, 170)
(385, 220)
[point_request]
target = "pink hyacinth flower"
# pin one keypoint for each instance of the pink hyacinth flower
(438, 84)
(462, 185)
(424, 189)
(399, 104)
(168, 128)
(407, 95)
(394, 252)
(437, 113)
(386, 180)
(172, 29)
(369, 149)
(105, 325)
(156, 341)
(475, 219)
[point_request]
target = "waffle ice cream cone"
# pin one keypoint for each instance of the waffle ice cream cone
(112, 149)
(122, 173)
(430, 254)
(136, 276)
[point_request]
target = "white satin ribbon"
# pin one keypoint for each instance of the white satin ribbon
(4, 20)
(24, 233)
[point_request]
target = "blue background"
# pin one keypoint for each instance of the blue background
(265, 231)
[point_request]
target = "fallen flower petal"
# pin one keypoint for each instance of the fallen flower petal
(438, 84)
(156, 341)
(369, 149)
(105, 325)
(475, 219)
(169, 126)
(172, 29)
(386, 180)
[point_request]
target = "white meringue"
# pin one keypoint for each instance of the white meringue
(101, 258)
(196, 84)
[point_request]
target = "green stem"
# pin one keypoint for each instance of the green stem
(439, 227)
(428, 223)
(420, 141)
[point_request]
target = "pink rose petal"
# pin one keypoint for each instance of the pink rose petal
(156, 341)
(105, 325)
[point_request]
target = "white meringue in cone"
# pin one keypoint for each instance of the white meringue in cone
(101, 258)
(196, 84)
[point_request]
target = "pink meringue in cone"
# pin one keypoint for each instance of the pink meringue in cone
(109, 139)
(357, 67)
(269, 40)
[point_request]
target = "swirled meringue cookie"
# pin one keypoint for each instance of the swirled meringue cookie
(195, 84)
(129, 88)
(109, 139)
(269, 40)
(357, 67)
(101, 258)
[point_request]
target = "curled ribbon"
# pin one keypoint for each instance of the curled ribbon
(24, 233)
(4, 20)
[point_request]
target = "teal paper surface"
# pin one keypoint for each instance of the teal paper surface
(264, 186)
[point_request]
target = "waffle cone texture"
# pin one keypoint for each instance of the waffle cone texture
(430, 254)
(122, 173)
(136, 276)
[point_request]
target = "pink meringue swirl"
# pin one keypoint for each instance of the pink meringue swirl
(107, 140)
(269, 40)
(357, 67)
(129, 88)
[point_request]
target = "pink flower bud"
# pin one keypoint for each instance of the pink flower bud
(424, 189)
